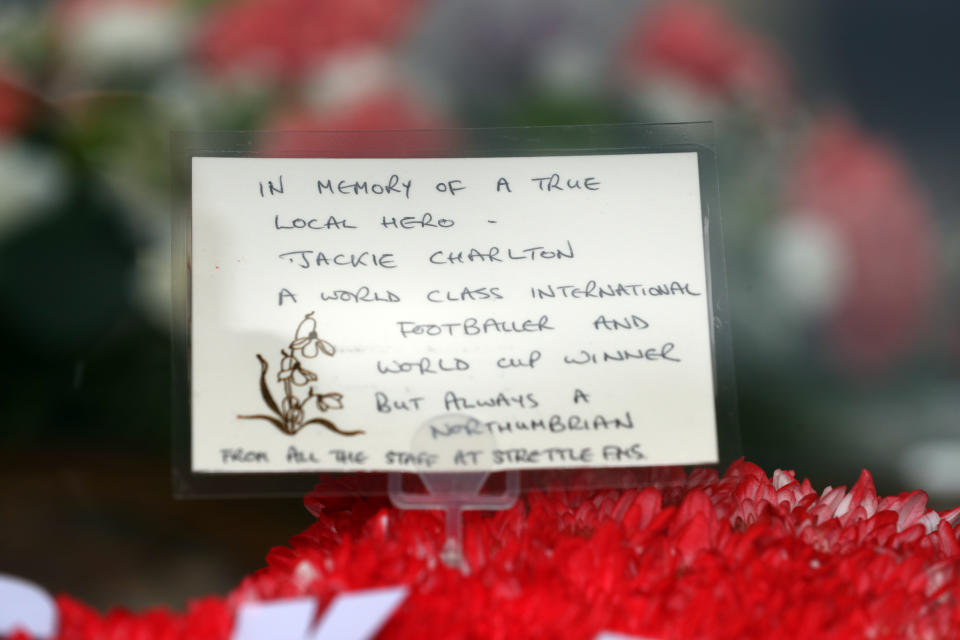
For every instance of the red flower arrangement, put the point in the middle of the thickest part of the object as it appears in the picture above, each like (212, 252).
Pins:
(738, 556)
(860, 189)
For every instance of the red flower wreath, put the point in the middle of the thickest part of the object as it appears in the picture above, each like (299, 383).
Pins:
(738, 556)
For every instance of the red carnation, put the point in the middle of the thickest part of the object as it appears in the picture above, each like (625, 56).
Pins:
(699, 44)
(288, 38)
(859, 188)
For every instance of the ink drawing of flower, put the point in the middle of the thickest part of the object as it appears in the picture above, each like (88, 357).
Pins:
(289, 415)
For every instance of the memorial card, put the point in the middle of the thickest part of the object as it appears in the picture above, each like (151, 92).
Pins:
(341, 310)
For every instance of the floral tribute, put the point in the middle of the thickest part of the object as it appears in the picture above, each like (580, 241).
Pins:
(738, 556)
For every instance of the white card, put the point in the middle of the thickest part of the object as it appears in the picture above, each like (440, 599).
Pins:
(560, 301)
(287, 619)
(26, 607)
(354, 615)
(359, 615)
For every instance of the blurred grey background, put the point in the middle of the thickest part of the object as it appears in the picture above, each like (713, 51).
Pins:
(837, 132)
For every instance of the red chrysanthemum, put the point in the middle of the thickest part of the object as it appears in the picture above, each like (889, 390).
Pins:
(738, 556)
(697, 43)
(860, 188)
(287, 38)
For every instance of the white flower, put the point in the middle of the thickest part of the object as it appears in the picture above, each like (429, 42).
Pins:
(808, 265)
(349, 77)
(122, 37)
(32, 181)
(307, 341)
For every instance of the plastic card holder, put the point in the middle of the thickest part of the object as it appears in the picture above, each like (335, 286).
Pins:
(536, 307)
(454, 492)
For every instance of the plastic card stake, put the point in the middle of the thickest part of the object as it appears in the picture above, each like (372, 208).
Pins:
(338, 305)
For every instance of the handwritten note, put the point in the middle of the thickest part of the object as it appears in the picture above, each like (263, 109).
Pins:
(338, 306)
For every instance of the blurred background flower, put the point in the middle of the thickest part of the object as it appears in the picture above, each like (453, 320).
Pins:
(835, 130)
(694, 55)
(99, 40)
(286, 40)
(15, 105)
(859, 191)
